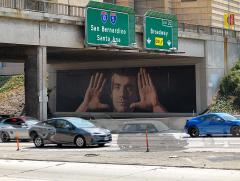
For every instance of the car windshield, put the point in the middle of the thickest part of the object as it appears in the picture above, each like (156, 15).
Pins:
(80, 123)
(228, 117)
(32, 122)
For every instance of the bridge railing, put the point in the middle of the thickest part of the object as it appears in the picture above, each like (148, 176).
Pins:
(77, 11)
(44, 7)
(200, 29)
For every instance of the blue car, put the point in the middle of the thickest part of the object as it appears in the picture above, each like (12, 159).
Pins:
(213, 124)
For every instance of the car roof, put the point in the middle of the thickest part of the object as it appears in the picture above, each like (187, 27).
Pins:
(63, 117)
(214, 113)
(68, 118)
(158, 124)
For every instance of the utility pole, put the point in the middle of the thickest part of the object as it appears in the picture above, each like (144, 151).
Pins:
(226, 43)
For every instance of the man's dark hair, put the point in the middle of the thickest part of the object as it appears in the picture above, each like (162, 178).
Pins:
(125, 71)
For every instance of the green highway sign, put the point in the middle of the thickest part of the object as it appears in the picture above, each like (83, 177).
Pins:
(160, 32)
(106, 26)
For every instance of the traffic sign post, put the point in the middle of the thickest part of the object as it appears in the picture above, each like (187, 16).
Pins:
(160, 32)
(107, 26)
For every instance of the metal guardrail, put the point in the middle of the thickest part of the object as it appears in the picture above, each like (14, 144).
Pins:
(77, 11)
(200, 29)
(44, 7)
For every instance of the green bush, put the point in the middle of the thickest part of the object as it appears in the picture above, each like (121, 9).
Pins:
(228, 99)
(236, 67)
(230, 84)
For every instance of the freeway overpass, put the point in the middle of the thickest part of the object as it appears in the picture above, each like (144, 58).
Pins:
(50, 38)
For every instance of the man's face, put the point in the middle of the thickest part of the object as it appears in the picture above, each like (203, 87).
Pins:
(123, 92)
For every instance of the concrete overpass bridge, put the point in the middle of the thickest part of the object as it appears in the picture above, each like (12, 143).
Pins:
(49, 38)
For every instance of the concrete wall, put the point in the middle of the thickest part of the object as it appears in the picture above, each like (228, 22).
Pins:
(191, 47)
(12, 69)
(17, 31)
(216, 68)
(233, 53)
(176, 123)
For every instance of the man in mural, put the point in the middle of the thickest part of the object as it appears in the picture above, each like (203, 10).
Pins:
(129, 92)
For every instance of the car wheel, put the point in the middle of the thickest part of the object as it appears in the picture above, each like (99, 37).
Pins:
(5, 137)
(38, 142)
(193, 132)
(80, 142)
(33, 135)
(235, 131)
(101, 144)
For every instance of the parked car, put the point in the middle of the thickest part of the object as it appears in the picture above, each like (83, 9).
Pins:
(213, 124)
(3, 116)
(14, 127)
(132, 137)
(69, 130)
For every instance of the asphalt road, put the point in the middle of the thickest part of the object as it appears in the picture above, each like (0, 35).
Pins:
(201, 144)
(62, 171)
(205, 152)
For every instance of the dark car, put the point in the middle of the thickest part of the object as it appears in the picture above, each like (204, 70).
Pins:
(14, 127)
(68, 130)
(213, 124)
(132, 137)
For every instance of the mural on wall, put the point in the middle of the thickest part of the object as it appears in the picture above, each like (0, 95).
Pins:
(149, 89)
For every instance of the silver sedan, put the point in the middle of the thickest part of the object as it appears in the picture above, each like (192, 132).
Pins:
(16, 127)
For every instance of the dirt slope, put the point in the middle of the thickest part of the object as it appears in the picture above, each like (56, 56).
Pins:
(12, 95)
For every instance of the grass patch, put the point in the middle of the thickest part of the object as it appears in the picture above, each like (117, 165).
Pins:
(225, 104)
(8, 83)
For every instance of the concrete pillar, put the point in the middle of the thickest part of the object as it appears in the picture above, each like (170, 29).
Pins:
(52, 83)
(36, 83)
(201, 89)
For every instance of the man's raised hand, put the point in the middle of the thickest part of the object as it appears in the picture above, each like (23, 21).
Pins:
(147, 93)
(92, 96)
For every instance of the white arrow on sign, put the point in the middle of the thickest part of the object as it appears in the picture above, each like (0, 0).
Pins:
(169, 43)
(149, 40)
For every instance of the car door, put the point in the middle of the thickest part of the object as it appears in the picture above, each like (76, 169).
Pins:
(216, 125)
(204, 124)
(130, 136)
(64, 131)
(211, 124)
(19, 128)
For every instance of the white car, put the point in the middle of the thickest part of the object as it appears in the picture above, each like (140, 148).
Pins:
(14, 127)
(132, 136)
